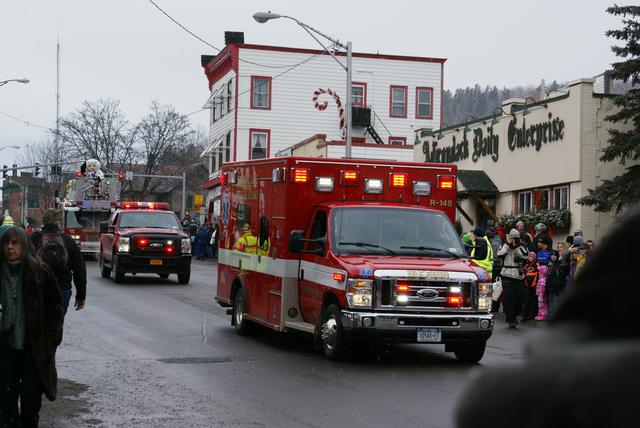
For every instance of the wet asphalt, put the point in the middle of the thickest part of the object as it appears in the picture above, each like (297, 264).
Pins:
(152, 353)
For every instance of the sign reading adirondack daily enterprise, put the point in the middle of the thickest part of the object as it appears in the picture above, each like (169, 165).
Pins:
(486, 143)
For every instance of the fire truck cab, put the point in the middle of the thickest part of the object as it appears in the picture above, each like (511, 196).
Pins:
(350, 249)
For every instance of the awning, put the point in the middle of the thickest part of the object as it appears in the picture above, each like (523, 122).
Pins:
(216, 143)
(471, 182)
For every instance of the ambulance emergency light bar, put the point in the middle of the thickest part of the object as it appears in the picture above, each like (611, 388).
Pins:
(326, 184)
(135, 205)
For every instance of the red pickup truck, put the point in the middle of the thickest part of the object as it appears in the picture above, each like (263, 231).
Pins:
(144, 237)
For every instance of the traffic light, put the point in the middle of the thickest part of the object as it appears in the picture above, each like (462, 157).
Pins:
(15, 171)
(120, 176)
(4, 171)
(37, 173)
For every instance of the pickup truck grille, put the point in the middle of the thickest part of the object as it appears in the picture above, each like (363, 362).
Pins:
(422, 294)
(155, 245)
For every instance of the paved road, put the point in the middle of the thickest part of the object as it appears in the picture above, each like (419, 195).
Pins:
(152, 353)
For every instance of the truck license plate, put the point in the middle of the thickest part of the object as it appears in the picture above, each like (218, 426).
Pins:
(429, 335)
(156, 262)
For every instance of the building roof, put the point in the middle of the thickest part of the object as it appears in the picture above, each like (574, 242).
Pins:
(476, 183)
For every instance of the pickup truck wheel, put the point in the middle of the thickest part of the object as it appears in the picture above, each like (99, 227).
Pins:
(470, 352)
(116, 274)
(242, 325)
(332, 337)
(105, 272)
(183, 277)
(163, 275)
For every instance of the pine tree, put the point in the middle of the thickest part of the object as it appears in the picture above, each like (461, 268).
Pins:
(623, 190)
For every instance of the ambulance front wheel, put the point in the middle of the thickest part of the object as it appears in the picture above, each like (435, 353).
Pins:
(241, 324)
(331, 334)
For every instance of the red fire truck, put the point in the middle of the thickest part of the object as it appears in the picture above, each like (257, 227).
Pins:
(350, 249)
(87, 203)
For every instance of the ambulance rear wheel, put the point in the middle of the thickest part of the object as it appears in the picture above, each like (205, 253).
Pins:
(241, 324)
(331, 334)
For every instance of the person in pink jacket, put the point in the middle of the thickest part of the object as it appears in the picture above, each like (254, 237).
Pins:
(543, 308)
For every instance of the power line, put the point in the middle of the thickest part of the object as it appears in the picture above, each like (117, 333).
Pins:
(212, 46)
(27, 123)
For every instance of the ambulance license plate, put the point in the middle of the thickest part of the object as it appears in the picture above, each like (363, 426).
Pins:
(155, 262)
(429, 335)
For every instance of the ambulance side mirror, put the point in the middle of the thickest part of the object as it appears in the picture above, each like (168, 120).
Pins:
(104, 228)
(296, 244)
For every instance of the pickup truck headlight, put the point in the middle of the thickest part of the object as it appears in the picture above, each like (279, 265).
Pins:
(360, 293)
(485, 290)
(186, 246)
(123, 244)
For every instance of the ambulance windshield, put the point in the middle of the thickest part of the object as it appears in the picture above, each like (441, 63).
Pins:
(388, 231)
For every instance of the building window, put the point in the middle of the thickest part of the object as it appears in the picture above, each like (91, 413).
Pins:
(229, 95)
(524, 202)
(259, 143)
(424, 103)
(261, 92)
(398, 141)
(398, 101)
(213, 112)
(561, 197)
(541, 199)
(359, 94)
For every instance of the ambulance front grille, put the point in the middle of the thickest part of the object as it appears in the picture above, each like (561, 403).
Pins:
(424, 294)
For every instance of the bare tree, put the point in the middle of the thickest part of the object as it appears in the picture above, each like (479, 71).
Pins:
(161, 133)
(53, 180)
(98, 130)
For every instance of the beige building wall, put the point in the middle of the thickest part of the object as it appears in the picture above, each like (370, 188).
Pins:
(572, 160)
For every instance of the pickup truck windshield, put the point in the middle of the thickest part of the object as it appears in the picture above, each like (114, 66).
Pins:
(159, 220)
(84, 219)
(385, 231)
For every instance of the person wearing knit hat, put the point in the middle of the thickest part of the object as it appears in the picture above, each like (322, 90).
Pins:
(513, 254)
(6, 224)
(75, 270)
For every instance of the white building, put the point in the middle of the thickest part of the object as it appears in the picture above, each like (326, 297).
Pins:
(261, 101)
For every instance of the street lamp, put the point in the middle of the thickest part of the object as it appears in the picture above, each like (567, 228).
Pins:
(263, 17)
(4, 82)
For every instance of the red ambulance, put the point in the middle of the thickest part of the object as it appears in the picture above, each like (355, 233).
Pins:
(350, 249)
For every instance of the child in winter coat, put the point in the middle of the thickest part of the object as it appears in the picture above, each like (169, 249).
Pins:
(555, 281)
(543, 309)
(531, 274)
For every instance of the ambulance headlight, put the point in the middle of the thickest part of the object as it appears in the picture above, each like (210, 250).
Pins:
(360, 293)
(485, 291)
(123, 244)
(373, 185)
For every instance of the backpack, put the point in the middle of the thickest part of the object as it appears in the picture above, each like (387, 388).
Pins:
(53, 252)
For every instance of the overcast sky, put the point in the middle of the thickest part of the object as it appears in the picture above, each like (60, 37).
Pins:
(128, 50)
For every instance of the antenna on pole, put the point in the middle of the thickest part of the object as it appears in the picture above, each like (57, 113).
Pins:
(56, 143)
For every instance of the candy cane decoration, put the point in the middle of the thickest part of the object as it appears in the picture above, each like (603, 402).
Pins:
(323, 106)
